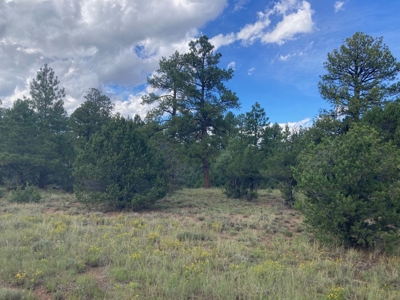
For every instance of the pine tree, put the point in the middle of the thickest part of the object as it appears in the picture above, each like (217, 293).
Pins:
(360, 76)
(119, 166)
(283, 149)
(170, 80)
(207, 101)
(47, 100)
(20, 151)
(88, 118)
(352, 188)
(255, 124)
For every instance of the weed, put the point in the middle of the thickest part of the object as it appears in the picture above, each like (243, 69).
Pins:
(190, 236)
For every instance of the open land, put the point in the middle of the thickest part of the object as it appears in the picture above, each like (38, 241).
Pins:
(193, 244)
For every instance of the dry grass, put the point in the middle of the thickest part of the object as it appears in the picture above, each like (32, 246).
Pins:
(195, 244)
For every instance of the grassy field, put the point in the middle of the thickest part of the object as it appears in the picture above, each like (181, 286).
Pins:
(195, 244)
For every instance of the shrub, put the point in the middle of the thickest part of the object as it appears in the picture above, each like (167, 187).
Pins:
(120, 166)
(8, 294)
(239, 166)
(190, 236)
(25, 195)
(352, 188)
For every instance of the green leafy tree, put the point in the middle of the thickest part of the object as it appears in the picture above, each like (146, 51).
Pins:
(88, 118)
(231, 122)
(255, 124)
(47, 100)
(120, 166)
(360, 76)
(20, 151)
(171, 80)
(271, 136)
(283, 149)
(239, 167)
(352, 188)
(386, 120)
(194, 101)
(207, 100)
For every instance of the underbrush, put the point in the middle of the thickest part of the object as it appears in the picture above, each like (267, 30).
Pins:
(195, 244)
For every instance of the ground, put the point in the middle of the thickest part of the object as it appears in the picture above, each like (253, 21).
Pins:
(193, 244)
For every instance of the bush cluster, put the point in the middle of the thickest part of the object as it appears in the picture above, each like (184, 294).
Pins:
(25, 194)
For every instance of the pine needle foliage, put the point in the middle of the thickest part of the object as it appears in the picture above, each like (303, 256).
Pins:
(119, 166)
(352, 188)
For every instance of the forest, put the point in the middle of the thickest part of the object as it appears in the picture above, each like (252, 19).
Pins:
(342, 173)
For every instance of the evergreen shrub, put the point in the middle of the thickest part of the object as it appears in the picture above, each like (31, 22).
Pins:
(352, 188)
(121, 167)
(25, 194)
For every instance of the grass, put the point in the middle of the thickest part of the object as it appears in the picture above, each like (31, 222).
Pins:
(195, 244)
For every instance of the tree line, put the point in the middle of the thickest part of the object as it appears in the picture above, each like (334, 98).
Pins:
(346, 164)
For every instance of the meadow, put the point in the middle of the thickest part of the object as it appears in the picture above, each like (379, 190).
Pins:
(194, 244)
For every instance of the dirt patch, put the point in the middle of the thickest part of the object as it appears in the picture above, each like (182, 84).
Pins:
(100, 276)
(41, 293)
(53, 211)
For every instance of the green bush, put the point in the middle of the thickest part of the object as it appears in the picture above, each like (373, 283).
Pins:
(25, 195)
(8, 294)
(352, 188)
(121, 167)
(239, 166)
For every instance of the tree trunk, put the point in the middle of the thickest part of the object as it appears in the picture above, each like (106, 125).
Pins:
(206, 171)
(20, 178)
(42, 180)
(172, 181)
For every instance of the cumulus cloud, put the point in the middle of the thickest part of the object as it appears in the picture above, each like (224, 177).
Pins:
(251, 32)
(292, 24)
(223, 40)
(338, 5)
(94, 43)
(296, 18)
(108, 43)
(250, 71)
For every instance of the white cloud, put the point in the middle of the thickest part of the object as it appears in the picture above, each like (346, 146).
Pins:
(294, 126)
(131, 107)
(338, 5)
(231, 65)
(283, 6)
(291, 25)
(285, 57)
(251, 32)
(294, 53)
(107, 43)
(250, 71)
(296, 19)
(239, 4)
(94, 43)
(222, 40)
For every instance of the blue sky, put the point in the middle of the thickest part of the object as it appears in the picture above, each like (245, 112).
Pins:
(277, 48)
(285, 77)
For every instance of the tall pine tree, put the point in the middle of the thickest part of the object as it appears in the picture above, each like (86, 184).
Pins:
(47, 100)
(208, 99)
